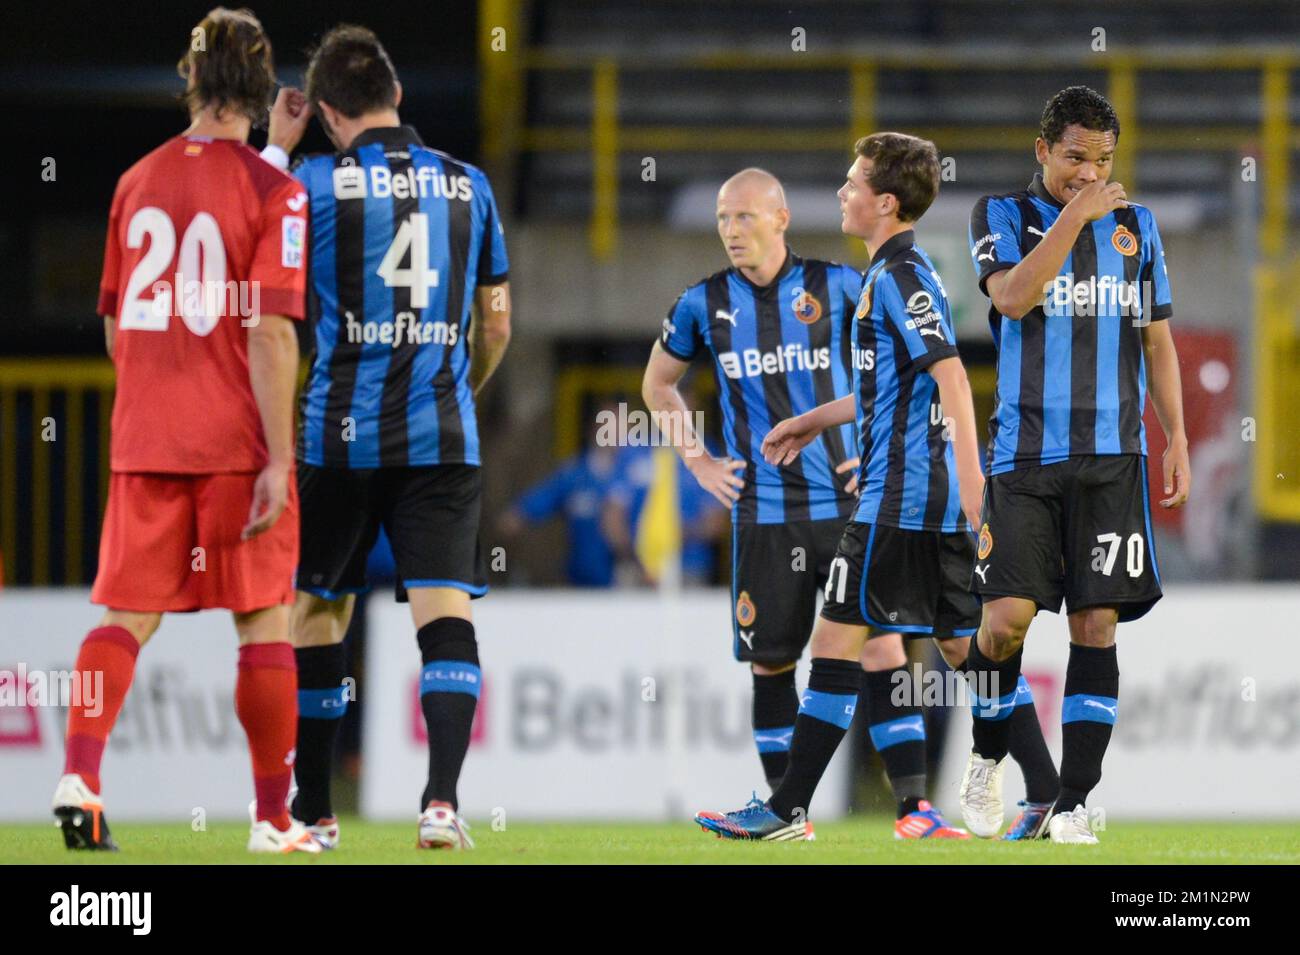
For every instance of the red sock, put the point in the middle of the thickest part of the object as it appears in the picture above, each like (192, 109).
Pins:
(266, 699)
(106, 663)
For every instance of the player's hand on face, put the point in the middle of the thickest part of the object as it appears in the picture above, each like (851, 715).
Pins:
(784, 442)
(289, 117)
(851, 466)
(718, 476)
(1178, 475)
(270, 496)
(1099, 199)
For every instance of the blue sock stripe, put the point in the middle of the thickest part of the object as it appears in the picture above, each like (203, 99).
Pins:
(328, 704)
(995, 710)
(1093, 709)
(834, 708)
(905, 729)
(774, 739)
(451, 676)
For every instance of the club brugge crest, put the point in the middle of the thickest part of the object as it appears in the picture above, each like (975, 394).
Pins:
(864, 304)
(986, 542)
(1124, 241)
(745, 612)
(807, 309)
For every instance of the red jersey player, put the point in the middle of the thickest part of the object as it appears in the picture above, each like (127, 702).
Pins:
(203, 278)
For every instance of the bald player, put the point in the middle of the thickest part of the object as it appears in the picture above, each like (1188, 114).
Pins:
(775, 327)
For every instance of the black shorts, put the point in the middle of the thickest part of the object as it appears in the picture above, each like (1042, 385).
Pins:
(898, 581)
(776, 571)
(1078, 531)
(430, 514)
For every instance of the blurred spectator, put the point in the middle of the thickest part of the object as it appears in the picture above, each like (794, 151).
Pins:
(577, 490)
(702, 519)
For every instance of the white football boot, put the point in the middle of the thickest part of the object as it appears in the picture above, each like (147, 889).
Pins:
(442, 828)
(325, 830)
(981, 796)
(1071, 828)
(80, 814)
(264, 837)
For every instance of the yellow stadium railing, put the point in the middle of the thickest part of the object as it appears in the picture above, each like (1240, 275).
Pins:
(28, 447)
(605, 138)
(1277, 390)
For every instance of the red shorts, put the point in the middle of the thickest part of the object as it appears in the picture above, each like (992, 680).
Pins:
(171, 544)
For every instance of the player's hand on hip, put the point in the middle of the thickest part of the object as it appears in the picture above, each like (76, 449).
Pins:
(270, 496)
(1099, 199)
(851, 465)
(787, 438)
(718, 476)
(289, 117)
(1178, 475)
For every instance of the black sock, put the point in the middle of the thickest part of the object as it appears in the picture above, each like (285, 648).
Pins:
(322, 701)
(994, 688)
(1087, 717)
(449, 688)
(775, 706)
(825, 712)
(1028, 748)
(897, 733)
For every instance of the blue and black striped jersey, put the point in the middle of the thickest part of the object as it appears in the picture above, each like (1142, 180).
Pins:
(1071, 374)
(401, 236)
(778, 351)
(901, 327)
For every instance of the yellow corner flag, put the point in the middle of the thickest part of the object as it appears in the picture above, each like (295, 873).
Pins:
(659, 532)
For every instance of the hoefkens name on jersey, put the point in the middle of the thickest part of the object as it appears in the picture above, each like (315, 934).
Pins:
(425, 182)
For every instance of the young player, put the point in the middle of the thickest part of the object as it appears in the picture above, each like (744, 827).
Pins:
(903, 561)
(775, 327)
(1080, 306)
(406, 240)
(202, 508)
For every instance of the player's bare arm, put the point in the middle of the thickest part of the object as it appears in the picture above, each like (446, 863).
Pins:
(1019, 290)
(784, 442)
(662, 396)
(1167, 397)
(491, 333)
(273, 372)
(290, 115)
(110, 325)
(959, 408)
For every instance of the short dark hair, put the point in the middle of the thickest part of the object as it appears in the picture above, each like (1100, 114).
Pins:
(906, 166)
(351, 71)
(1077, 106)
(231, 63)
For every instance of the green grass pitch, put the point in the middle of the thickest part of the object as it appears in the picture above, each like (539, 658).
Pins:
(860, 840)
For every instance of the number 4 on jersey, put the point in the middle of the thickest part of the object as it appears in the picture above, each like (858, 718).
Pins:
(413, 234)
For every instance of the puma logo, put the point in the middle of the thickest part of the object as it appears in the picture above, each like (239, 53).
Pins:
(991, 255)
(1102, 706)
(1038, 232)
(727, 316)
(981, 571)
(748, 637)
